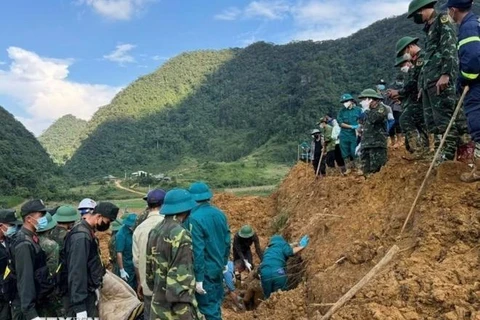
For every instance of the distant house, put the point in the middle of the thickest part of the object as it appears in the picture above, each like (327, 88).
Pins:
(159, 176)
(109, 177)
(140, 174)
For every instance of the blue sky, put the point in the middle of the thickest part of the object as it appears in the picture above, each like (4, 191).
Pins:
(72, 56)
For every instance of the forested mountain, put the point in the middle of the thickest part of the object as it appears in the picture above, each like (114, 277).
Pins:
(25, 168)
(63, 138)
(223, 105)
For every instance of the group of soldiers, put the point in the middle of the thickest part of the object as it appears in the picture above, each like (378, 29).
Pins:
(436, 76)
(175, 255)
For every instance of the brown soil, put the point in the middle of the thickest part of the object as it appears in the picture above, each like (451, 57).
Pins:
(436, 274)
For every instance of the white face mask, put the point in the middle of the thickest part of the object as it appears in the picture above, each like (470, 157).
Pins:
(347, 104)
(365, 104)
(407, 56)
(405, 69)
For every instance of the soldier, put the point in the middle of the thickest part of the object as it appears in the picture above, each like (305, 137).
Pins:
(437, 86)
(348, 120)
(139, 250)
(123, 246)
(412, 120)
(469, 54)
(29, 265)
(329, 142)
(112, 248)
(82, 263)
(8, 228)
(66, 216)
(242, 241)
(390, 104)
(170, 274)
(49, 246)
(211, 250)
(317, 152)
(374, 143)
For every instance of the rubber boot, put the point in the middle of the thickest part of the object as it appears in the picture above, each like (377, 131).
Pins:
(474, 175)
(348, 167)
(358, 166)
(418, 150)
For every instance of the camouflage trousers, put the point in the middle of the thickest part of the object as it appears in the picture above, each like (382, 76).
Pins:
(175, 311)
(373, 159)
(438, 110)
(413, 126)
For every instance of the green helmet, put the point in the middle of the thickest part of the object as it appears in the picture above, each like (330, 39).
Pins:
(51, 223)
(177, 201)
(399, 61)
(116, 225)
(246, 232)
(370, 93)
(346, 97)
(200, 191)
(66, 214)
(403, 43)
(416, 5)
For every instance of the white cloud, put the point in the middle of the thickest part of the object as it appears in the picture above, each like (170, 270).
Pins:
(229, 14)
(121, 54)
(270, 10)
(116, 9)
(41, 87)
(159, 58)
(2, 63)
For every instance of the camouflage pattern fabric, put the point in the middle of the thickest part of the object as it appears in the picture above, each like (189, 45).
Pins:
(140, 218)
(113, 253)
(374, 141)
(373, 159)
(170, 272)
(52, 251)
(58, 235)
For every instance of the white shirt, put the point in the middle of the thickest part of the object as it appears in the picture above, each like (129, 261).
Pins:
(139, 248)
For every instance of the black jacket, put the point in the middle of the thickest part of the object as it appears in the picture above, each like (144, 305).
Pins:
(242, 246)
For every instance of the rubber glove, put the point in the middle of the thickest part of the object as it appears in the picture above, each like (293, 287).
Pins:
(199, 288)
(97, 294)
(248, 265)
(124, 275)
(82, 315)
(355, 126)
(37, 318)
(304, 241)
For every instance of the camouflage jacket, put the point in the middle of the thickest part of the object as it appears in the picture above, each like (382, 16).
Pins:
(52, 251)
(409, 92)
(374, 128)
(441, 51)
(140, 218)
(169, 271)
(58, 235)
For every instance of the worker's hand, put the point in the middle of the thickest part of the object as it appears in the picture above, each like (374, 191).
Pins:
(392, 93)
(140, 291)
(355, 126)
(304, 241)
(199, 288)
(247, 265)
(225, 270)
(97, 294)
(82, 315)
(124, 275)
(442, 83)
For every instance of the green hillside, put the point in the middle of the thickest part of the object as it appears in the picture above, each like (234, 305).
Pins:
(224, 105)
(25, 167)
(63, 138)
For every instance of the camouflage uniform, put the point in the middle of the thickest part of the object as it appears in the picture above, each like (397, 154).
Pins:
(140, 218)
(58, 235)
(170, 272)
(441, 59)
(113, 253)
(374, 139)
(412, 120)
(52, 251)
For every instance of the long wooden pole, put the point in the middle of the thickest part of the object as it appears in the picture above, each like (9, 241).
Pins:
(366, 279)
(420, 191)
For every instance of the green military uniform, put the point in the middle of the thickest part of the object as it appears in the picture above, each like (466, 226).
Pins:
(374, 139)
(58, 235)
(66, 217)
(140, 218)
(169, 270)
(112, 244)
(440, 59)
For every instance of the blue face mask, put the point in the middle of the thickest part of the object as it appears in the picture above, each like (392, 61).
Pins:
(11, 231)
(41, 223)
(381, 87)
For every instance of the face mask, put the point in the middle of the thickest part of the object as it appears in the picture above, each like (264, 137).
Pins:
(381, 87)
(102, 226)
(407, 56)
(346, 104)
(405, 69)
(11, 231)
(365, 104)
(418, 18)
(41, 223)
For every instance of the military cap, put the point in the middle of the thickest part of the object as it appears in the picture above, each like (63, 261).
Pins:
(461, 4)
(246, 232)
(130, 220)
(200, 191)
(346, 97)
(403, 43)
(155, 196)
(8, 216)
(177, 201)
(416, 5)
(116, 225)
(51, 223)
(107, 210)
(66, 214)
(370, 93)
(33, 206)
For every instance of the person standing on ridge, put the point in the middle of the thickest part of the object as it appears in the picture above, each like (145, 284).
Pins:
(318, 153)
(348, 120)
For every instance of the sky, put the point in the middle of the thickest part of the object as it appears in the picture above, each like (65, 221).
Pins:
(61, 57)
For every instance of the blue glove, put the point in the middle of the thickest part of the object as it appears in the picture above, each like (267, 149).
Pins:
(304, 241)
(355, 126)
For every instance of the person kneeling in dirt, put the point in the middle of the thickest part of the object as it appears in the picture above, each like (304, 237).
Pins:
(242, 241)
(374, 141)
(229, 280)
(273, 267)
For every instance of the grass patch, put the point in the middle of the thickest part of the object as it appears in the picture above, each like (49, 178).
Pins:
(280, 221)
(10, 201)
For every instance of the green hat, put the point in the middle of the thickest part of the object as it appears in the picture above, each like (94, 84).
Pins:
(51, 223)
(200, 191)
(177, 201)
(66, 214)
(416, 5)
(399, 61)
(116, 225)
(403, 43)
(370, 93)
(246, 232)
(130, 220)
(8, 216)
(346, 97)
